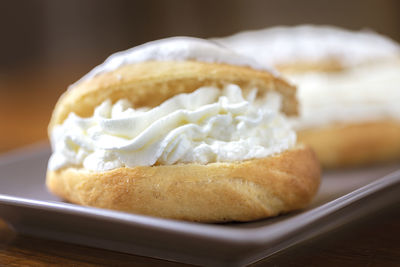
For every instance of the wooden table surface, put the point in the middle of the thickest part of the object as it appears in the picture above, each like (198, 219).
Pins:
(26, 100)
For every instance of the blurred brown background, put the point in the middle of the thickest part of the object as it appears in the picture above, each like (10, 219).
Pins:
(46, 45)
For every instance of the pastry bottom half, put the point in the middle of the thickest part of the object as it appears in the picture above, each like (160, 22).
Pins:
(215, 192)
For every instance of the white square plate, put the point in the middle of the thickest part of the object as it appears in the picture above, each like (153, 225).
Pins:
(31, 209)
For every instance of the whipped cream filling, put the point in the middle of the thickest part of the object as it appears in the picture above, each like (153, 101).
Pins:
(365, 93)
(208, 125)
(175, 49)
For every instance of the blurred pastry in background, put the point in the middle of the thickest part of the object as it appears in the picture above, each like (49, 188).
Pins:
(181, 128)
(348, 88)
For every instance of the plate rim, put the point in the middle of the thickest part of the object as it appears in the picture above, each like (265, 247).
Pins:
(221, 232)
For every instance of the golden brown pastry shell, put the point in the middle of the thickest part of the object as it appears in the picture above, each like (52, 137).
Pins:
(215, 192)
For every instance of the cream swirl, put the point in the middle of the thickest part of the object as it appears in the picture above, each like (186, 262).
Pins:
(208, 125)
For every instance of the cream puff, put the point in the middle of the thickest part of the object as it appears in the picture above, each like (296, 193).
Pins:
(348, 88)
(181, 128)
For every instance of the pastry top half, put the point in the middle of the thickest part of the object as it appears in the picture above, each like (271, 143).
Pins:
(312, 47)
(149, 74)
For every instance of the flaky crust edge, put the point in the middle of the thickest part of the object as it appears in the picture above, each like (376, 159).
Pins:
(215, 192)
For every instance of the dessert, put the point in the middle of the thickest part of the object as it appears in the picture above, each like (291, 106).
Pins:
(181, 128)
(348, 88)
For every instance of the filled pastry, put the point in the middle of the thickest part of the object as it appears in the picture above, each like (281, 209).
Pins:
(348, 88)
(181, 128)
